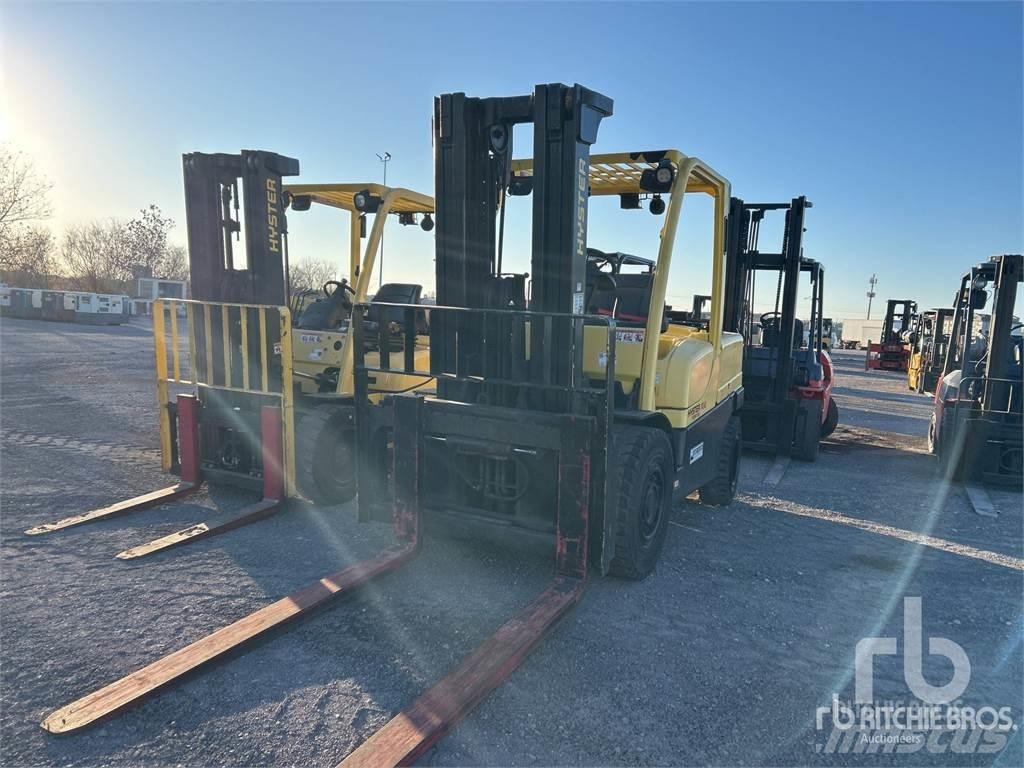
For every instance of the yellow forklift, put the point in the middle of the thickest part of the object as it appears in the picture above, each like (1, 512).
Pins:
(573, 418)
(321, 344)
(250, 395)
(828, 335)
(929, 338)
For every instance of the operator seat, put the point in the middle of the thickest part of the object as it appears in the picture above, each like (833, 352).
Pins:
(629, 302)
(327, 313)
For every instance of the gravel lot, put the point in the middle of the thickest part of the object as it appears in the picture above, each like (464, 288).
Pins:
(721, 657)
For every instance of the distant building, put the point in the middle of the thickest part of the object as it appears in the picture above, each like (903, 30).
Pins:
(148, 289)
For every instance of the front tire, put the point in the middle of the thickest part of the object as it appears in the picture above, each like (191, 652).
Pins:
(831, 419)
(642, 481)
(325, 458)
(721, 490)
(933, 442)
(809, 435)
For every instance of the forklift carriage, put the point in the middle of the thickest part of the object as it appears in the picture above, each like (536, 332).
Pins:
(242, 351)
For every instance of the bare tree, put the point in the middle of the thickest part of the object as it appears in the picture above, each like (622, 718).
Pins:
(24, 193)
(311, 274)
(26, 250)
(97, 256)
(146, 236)
(174, 265)
(27, 257)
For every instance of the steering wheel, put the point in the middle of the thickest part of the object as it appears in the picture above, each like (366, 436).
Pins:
(331, 287)
(773, 316)
(600, 259)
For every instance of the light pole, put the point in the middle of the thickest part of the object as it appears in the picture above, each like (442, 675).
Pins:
(384, 158)
(871, 292)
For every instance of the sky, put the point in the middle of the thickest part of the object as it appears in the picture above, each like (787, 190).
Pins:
(902, 122)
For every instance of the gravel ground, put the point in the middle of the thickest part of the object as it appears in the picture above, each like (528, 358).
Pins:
(721, 657)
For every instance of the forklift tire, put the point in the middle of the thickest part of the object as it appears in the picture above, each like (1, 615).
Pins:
(831, 419)
(722, 488)
(642, 481)
(951, 467)
(325, 455)
(808, 437)
(947, 470)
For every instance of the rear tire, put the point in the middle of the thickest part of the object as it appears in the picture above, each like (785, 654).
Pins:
(721, 490)
(831, 419)
(809, 436)
(642, 482)
(325, 455)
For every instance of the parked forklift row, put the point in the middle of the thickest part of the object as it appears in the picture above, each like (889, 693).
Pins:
(568, 405)
(970, 363)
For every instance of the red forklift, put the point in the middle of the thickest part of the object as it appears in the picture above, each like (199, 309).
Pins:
(976, 427)
(892, 351)
(787, 375)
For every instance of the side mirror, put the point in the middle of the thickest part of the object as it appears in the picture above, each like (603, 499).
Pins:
(301, 202)
(978, 298)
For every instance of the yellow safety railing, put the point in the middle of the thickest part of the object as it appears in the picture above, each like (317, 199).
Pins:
(230, 347)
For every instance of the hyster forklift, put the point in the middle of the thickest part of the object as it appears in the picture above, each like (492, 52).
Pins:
(892, 351)
(264, 399)
(574, 415)
(788, 406)
(976, 427)
(931, 335)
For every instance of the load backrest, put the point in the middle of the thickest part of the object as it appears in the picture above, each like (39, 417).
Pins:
(393, 293)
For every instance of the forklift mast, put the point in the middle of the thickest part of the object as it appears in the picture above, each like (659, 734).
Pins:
(1007, 273)
(905, 311)
(214, 224)
(700, 300)
(940, 332)
(745, 260)
(473, 141)
(976, 425)
(1002, 273)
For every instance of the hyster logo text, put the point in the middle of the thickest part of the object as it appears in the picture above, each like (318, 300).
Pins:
(581, 208)
(273, 235)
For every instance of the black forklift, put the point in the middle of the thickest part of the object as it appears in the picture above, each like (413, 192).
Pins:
(976, 426)
(892, 351)
(788, 406)
(531, 434)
